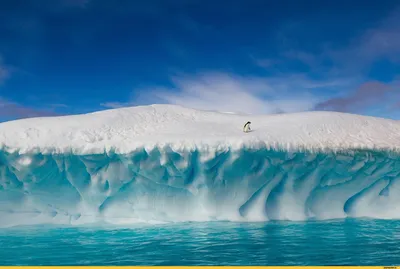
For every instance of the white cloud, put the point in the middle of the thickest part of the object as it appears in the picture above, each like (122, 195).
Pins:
(228, 93)
(283, 91)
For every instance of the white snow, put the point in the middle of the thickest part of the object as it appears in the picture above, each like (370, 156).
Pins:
(126, 129)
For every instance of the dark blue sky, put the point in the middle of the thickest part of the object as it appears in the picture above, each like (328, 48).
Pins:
(78, 56)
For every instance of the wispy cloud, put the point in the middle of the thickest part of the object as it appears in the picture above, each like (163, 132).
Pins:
(333, 71)
(13, 110)
(365, 97)
(382, 41)
(346, 68)
(305, 57)
(229, 93)
(351, 60)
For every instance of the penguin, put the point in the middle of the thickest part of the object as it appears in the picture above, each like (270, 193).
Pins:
(246, 127)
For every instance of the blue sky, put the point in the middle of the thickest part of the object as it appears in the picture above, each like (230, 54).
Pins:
(76, 56)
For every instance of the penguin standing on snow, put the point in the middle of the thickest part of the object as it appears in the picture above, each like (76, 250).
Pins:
(246, 127)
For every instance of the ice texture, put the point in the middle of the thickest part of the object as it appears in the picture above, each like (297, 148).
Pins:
(98, 168)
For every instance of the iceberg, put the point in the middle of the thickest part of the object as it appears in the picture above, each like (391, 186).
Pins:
(165, 163)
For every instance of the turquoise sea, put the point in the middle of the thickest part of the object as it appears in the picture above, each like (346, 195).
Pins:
(340, 242)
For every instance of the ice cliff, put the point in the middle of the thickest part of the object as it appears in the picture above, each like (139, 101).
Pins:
(167, 163)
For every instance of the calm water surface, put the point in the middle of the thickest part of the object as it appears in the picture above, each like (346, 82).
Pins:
(345, 242)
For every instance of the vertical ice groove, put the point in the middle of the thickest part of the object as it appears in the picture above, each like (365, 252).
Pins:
(165, 184)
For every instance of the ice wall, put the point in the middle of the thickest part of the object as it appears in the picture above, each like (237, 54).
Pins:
(162, 185)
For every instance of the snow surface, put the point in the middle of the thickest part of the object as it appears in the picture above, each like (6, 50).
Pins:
(128, 129)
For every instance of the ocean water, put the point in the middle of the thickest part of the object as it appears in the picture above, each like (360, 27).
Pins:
(340, 242)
